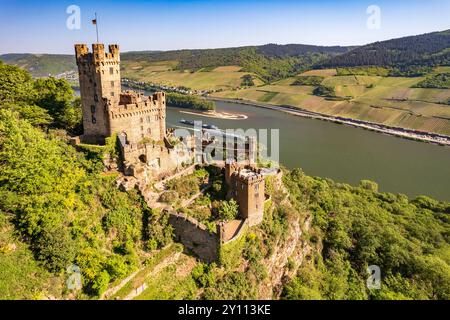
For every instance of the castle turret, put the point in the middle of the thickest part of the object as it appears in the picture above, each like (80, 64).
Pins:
(99, 74)
(246, 186)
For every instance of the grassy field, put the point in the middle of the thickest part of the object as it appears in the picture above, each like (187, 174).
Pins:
(163, 72)
(388, 100)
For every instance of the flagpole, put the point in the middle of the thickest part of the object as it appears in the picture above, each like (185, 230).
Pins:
(96, 25)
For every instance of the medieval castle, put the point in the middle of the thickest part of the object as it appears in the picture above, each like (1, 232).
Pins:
(146, 153)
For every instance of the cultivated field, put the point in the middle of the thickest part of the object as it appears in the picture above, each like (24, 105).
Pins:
(163, 72)
(388, 100)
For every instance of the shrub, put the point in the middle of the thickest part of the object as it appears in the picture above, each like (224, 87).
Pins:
(228, 210)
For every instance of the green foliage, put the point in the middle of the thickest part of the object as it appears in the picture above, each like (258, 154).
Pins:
(21, 277)
(35, 115)
(189, 101)
(56, 96)
(204, 275)
(369, 185)
(42, 102)
(437, 81)
(232, 286)
(357, 227)
(308, 81)
(15, 85)
(66, 209)
(247, 81)
(159, 232)
(228, 210)
(407, 56)
(186, 186)
(56, 248)
(100, 283)
(324, 91)
(230, 253)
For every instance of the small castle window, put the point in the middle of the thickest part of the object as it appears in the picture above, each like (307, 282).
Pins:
(94, 121)
(142, 120)
(142, 128)
(93, 108)
(95, 98)
(111, 70)
(112, 93)
(112, 84)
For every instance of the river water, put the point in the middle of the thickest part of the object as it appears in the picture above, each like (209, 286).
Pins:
(344, 153)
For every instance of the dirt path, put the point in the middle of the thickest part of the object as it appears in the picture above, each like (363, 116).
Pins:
(137, 291)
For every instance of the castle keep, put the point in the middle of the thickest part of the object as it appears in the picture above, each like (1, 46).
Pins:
(108, 110)
(138, 120)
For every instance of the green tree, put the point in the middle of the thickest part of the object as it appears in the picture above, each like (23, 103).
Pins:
(16, 85)
(56, 96)
(228, 210)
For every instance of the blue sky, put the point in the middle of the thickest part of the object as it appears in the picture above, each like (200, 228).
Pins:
(40, 26)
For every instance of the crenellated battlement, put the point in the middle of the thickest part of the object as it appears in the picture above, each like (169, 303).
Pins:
(248, 177)
(98, 53)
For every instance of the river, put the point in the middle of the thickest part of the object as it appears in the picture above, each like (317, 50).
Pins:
(344, 153)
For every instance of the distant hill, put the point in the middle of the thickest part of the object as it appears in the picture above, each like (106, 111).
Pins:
(269, 61)
(408, 53)
(272, 62)
(41, 65)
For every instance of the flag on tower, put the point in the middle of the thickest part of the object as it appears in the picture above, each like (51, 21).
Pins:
(94, 22)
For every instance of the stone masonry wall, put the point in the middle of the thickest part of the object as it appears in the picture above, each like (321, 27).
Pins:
(195, 237)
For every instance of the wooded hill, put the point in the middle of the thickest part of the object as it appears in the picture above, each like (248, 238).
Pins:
(407, 56)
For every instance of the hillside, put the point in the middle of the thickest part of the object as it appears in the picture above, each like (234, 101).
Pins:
(268, 62)
(315, 242)
(408, 54)
(41, 65)
(393, 101)
(62, 213)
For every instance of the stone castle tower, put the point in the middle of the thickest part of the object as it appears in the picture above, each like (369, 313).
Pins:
(246, 186)
(108, 110)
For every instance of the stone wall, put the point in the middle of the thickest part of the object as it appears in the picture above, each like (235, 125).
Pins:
(195, 237)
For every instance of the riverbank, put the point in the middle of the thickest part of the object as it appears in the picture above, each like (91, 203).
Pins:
(429, 137)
